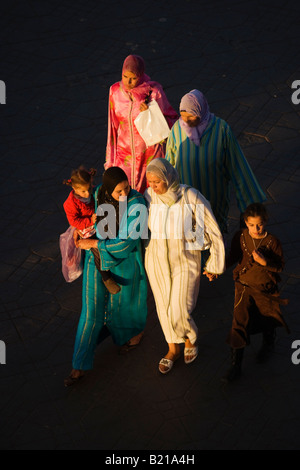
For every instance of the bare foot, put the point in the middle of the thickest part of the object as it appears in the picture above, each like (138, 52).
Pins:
(190, 352)
(172, 355)
(74, 376)
(136, 339)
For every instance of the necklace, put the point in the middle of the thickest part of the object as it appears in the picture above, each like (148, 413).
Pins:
(256, 247)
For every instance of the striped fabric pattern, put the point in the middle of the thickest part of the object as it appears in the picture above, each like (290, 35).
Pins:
(174, 271)
(213, 166)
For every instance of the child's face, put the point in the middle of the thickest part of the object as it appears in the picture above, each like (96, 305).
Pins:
(82, 190)
(256, 226)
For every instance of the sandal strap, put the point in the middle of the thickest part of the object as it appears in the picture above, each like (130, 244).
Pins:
(166, 362)
(190, 351)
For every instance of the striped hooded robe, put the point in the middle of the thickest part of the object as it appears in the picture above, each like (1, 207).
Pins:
(210, 159)
(173, 258)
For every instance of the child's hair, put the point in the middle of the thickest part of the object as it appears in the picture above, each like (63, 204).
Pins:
(80, 176)
(256, 210)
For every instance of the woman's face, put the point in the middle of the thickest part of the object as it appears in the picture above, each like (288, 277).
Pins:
(159, 186)
(190, 119)
(122, 189)
(129, 79)
(256, 226)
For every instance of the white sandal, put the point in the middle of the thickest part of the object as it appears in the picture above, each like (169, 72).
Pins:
(166, 363)
(193, 352)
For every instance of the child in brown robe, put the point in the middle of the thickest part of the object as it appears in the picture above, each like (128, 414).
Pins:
(257, 302)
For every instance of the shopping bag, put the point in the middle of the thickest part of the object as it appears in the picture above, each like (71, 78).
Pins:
(152, 125)
(72, 257)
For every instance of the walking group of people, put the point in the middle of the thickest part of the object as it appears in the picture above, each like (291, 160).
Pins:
(182, 181)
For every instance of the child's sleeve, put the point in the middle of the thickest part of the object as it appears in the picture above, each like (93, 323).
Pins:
(75, 218)
(274, 257)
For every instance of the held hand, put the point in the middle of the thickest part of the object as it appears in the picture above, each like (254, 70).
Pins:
(94, 218)
(143, 106)
(87, 243)
(210, 276)
(259, 258)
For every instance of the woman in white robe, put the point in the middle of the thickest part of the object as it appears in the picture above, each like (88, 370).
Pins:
(181, 225)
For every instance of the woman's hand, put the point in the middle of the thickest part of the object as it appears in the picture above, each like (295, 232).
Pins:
(259, 258)
(210, 276)
(143, 106)
(87, 243)
(76, 237)
(94, 218)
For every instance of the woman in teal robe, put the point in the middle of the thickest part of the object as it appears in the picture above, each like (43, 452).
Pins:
(123, 314)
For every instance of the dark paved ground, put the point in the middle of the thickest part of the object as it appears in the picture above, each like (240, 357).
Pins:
(58, 59)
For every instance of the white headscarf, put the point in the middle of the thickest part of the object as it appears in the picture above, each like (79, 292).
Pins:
(166, 172)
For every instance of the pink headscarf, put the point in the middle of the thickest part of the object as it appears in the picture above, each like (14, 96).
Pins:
(196, 104)
(135, 64)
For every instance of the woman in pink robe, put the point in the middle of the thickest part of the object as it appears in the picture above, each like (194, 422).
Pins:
(127, 98)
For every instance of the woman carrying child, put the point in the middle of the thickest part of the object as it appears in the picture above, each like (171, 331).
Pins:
(80, 211)
(124, 315)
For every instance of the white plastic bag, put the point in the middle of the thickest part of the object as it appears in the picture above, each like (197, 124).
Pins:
(152, 125)
(72, 256)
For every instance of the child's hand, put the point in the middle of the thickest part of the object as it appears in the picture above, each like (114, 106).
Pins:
(259, 258)
(87, 244)
(94, 218)
(76, 237)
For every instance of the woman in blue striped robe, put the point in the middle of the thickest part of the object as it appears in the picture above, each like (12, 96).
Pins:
(208, 157)
(123, 314)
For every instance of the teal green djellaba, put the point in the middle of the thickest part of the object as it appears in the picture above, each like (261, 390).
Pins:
(123, 314)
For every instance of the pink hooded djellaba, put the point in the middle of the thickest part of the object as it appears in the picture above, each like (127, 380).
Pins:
(125, 147)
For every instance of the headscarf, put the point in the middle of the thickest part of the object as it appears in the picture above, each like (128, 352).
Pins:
(135, 64)
(196, 104)
(166, 172)
(110, 179)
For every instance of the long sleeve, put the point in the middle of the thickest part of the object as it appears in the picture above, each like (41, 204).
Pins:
(245, 184)
(112, 131)
(77, 217)
(171, 149)
(216, 261)
(212, 235)
(274, 256)
(162, 100)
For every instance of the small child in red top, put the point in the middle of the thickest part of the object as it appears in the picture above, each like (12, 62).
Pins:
(80, 211)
